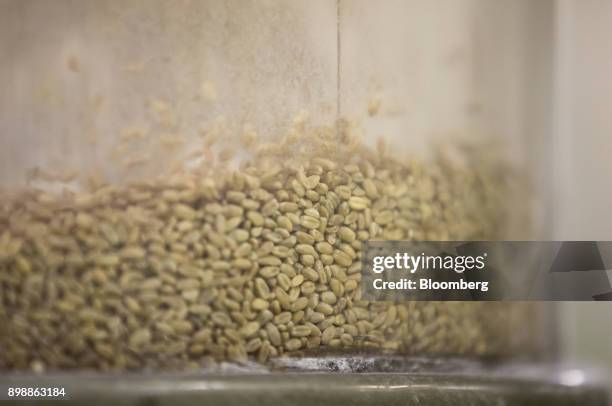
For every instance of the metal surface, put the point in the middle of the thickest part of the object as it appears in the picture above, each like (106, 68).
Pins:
(318, 389)
(383, 381)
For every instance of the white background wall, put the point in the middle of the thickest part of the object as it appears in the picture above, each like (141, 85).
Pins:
(582, 159)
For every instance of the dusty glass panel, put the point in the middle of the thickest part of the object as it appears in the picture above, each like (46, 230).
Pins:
(187, 183)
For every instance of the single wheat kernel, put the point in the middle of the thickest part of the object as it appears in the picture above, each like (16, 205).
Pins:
(301, 331)
(259, 304)
(293, 344)
(328, 334)
(249, 329)
(358, 203)
(309, 222)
